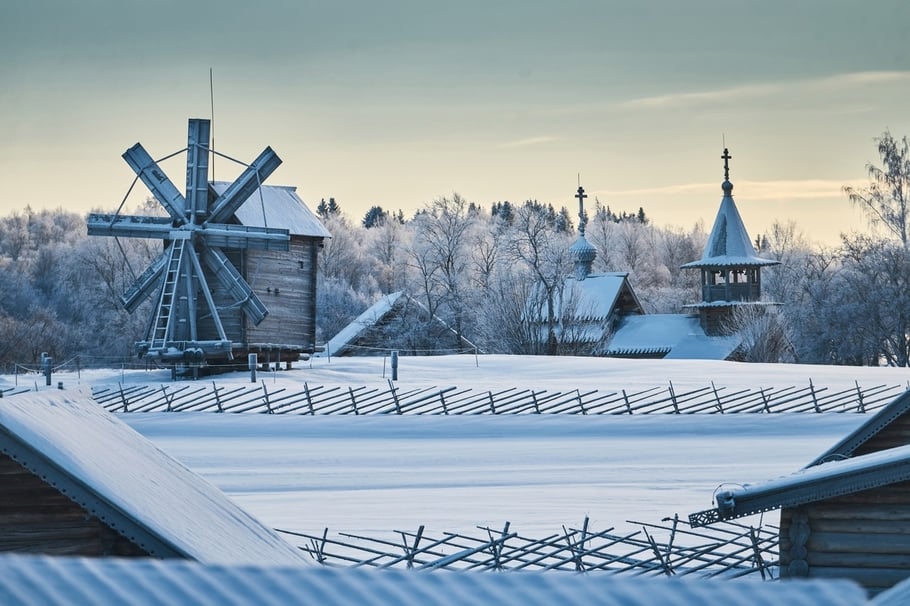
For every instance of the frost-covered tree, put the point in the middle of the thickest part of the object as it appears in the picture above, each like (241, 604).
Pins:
(886, 201)
(545, 253)
(440, 254)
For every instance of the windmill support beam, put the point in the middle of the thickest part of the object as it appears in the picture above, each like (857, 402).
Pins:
(207, 293)
(242, 236)
(128, 226)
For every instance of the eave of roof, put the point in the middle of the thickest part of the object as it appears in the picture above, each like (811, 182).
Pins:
(832, 479)
(862, 434)
(277, 206)
(728, 243)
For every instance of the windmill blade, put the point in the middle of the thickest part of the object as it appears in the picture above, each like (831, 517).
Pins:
(241, 189)
(128, 225)
(225, 235)
(157, 182)
(145, 284)
(228, 276)
(197, 169)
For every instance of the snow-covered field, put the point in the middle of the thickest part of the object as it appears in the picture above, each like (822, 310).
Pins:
(374, 474)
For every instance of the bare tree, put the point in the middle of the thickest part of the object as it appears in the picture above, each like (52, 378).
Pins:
(440, 254)
(762, 332)
(544, 252)
(886, 201)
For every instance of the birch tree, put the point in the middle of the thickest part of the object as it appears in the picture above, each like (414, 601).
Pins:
(886, 201)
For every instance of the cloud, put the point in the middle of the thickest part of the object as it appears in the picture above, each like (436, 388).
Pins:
(835, 83)
(804, 189)
(528, 142)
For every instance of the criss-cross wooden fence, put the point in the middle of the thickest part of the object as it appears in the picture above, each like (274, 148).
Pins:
(671, 548)
(364, 400)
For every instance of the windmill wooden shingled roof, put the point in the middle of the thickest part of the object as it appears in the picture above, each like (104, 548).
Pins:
(276, 206)
(129, 491)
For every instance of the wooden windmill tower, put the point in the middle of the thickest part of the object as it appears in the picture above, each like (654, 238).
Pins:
(200, 281)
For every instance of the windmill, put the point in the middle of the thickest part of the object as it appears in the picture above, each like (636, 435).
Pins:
(185, 325)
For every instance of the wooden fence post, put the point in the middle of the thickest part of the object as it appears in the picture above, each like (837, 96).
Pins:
(581, 404)
(268, 405)
(309, 400)
(217, 397)
(720, 406)
(394, 392)
(861, 407)
(814, 399)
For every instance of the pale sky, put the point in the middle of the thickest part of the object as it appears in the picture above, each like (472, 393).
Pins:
(396, 103)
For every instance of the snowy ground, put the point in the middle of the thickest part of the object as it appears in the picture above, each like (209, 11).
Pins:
(375, 474)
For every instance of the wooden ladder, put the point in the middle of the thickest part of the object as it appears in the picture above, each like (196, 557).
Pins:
(165, 314)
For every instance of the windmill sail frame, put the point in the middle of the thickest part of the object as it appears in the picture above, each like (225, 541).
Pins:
(194, 278)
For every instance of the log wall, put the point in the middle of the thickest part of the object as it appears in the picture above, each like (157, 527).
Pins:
(232, 316)
(864, 536)
(36, 518)
(286, 283)
(896, 433)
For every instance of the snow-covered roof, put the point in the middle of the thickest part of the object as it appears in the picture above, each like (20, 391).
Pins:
(122, 478)
(283, 209)
(376, 312)
(862, 434)
(62, 581)
(594, 298)
(676, 335)
(817, 483)
(703, 347)
(729, 244)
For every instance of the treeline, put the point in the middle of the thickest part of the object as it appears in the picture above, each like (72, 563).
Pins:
(475, 270)
(59, 289)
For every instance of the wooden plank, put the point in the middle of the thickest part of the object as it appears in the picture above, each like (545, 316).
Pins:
(858, 543)
(859, 560)
(860, 525)
(867, 577)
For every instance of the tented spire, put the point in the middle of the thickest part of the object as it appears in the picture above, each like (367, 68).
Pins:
(729, 244)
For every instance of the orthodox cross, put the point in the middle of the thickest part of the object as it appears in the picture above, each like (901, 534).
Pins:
(581, 195)
(726, 158)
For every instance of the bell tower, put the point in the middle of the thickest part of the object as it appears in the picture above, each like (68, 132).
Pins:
(730, 267)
